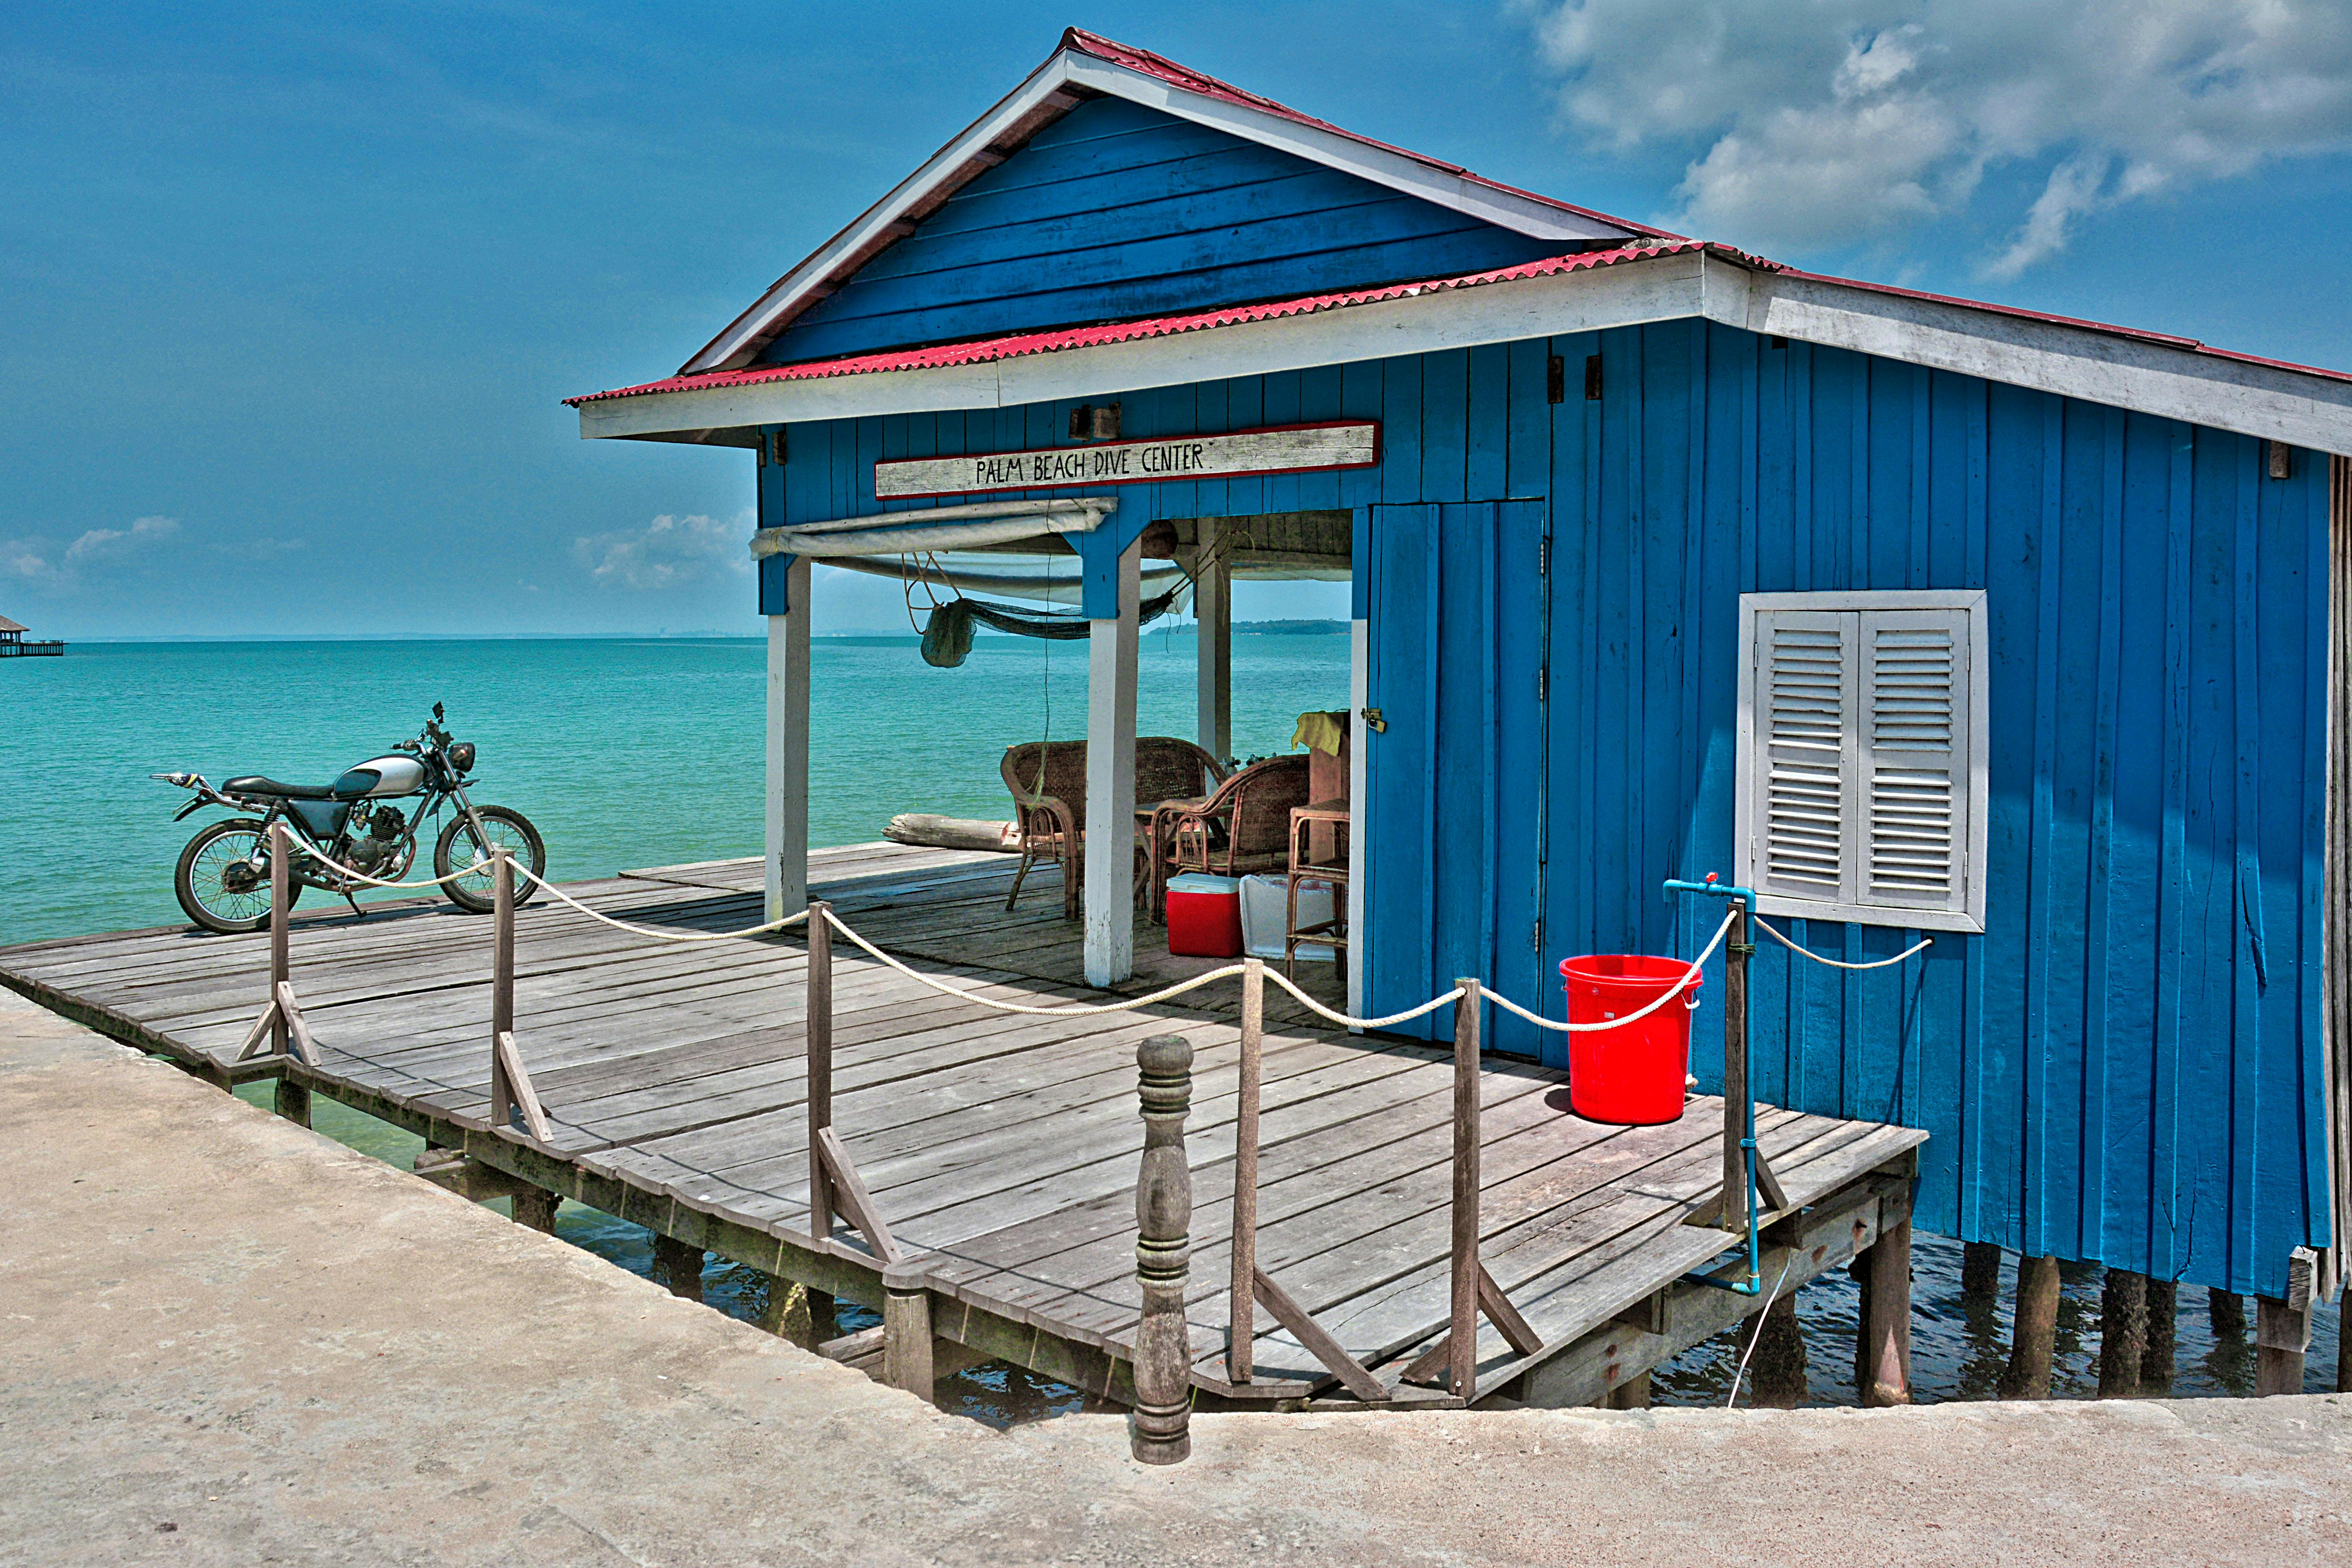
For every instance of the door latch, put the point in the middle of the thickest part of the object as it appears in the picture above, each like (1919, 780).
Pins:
(1374, 722)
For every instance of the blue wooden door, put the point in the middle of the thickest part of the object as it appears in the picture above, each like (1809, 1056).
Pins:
(1454, 843)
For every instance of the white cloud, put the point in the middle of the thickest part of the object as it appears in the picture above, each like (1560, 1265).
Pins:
(667, 552)
(1831, 121)
(96, 553)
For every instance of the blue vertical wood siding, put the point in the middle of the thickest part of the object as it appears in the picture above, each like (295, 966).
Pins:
(2125, 1066)
(1116, 210)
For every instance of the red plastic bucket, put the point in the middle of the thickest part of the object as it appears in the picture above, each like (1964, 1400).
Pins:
(1632, 1075)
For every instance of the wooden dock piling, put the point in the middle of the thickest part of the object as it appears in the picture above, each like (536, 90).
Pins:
(534, 1208)
(2155, 1362)
(1776, 1352)
(1886, 1359)
(1979, 1273)
(1160, 1433)
(2035, 1330)
(2123, 1333)
(907, 1336)
(678, 1266)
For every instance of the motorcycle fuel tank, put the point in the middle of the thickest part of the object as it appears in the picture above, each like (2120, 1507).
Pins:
(381, 776)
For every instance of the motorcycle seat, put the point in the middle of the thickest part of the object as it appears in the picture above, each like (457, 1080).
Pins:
(253, 784)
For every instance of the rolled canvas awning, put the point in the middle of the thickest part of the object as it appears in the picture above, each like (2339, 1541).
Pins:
(942, 528)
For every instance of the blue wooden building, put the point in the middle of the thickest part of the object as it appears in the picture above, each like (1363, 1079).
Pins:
(1922, 616)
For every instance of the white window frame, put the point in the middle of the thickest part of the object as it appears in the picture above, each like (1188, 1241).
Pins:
(1971, 915)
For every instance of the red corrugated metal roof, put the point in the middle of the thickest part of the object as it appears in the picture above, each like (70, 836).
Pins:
(1013, 346)
(983, 349)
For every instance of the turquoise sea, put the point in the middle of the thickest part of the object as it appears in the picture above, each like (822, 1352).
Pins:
(645, 751)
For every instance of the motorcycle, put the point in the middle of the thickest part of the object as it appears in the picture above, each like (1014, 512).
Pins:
(223, 880)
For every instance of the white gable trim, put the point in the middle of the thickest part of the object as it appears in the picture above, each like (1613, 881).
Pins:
(882, 223)
(1399, 172)
(2270, 401)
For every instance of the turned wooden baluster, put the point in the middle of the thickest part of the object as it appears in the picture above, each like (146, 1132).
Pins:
(1160, 1432)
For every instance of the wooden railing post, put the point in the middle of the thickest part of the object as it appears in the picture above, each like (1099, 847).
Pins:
(1242, 1333)
(291, 1100)
(1160, 1432)
(820, 1064)
(1464, 1357)
(1736, 950)
(503, 1098)
(281, 887)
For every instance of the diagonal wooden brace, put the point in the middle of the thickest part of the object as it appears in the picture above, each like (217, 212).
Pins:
(298, 1029)
(1308, 1332)
(850, 1196)
(259, 1033)
(1433, 1362)
(511, 1088)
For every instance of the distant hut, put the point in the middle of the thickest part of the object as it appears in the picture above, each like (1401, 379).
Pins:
(1917, 614)
(13, 644)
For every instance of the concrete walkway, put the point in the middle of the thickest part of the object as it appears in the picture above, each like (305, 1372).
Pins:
(228, 1340)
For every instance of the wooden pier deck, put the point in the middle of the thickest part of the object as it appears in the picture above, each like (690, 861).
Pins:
(1001, 1150)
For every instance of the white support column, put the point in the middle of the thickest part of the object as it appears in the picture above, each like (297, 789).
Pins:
(1109, 909)
(1213, 607)
(1359, 687)
(788, 750)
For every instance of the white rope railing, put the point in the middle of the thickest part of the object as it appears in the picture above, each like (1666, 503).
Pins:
(1500, 1000)
(484, 868)
(1128, 1005)
(1878, 964)
(1343, 1020)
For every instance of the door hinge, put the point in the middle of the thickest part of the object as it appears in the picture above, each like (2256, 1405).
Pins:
(1543, 556)
(1536, 937)
(1543, 683)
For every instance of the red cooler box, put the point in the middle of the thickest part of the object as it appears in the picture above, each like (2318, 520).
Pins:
(1204, 916)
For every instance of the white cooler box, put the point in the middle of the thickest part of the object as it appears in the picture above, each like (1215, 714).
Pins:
(1261, 915)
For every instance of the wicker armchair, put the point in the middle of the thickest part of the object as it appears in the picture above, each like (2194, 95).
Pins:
(1245, 826)
(1048, 783)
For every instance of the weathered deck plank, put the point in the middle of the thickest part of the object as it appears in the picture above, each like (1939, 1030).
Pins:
(1000, 1148)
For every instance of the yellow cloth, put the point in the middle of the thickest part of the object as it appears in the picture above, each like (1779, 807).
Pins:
(1325, 732)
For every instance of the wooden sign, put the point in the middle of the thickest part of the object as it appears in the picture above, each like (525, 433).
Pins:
(1279, 449)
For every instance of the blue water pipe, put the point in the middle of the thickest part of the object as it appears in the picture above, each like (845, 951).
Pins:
(1754, 1284)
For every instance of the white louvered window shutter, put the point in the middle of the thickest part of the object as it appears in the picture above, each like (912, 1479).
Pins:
(1803, 785)
(1862, 756)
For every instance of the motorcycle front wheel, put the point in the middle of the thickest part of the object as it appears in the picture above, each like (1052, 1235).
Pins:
(217, 883)
(461, 848)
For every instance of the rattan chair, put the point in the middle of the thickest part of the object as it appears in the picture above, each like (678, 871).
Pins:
(1048, 783)
(1245, 826)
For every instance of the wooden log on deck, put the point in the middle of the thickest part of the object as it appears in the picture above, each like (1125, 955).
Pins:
(2123, 1333)
(2033, 1337)
(2156, 1363)
(1887, 1285)
(678, 1266)
(1776, 1356)
(1161, 1430)
(1979, 1273)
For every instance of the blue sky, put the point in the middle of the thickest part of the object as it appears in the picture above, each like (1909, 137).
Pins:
(291, 294)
